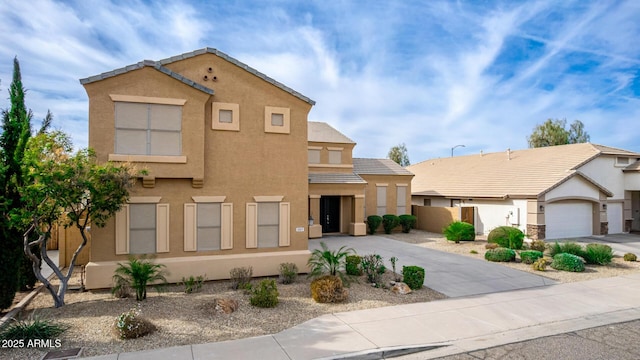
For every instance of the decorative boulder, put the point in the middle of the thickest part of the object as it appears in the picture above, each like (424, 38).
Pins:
(225, 306)
(401, 288)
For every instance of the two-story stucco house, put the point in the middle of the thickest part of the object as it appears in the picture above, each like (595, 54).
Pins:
(234, 171)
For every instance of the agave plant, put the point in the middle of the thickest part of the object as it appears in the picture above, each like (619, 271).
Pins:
(329, 262)
(137, 273)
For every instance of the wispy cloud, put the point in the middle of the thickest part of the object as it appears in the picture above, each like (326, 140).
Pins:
(430, 74)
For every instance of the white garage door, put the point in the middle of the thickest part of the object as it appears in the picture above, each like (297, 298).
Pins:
(568, 219)
(614, 216)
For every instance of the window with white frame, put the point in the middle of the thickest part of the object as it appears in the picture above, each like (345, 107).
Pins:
(142, 228)
(277, 120)
(208, 232)
(148, 129)
(381, 200)
(401, 200)
(268, 224)
(225, 116)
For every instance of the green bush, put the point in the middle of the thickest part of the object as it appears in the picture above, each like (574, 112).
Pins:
(130, 325)
(373, 223)
(373, 267)
(568, 248)
(630, 257)
(329, 262)
(407, 222)
(538, 245)
(500, 254)
(598, 254)
(567, 262)
(459, 231)
(265, 295)
(413, 276)
(192, 284)
(34, 328)
(137, 273)
(389, 222)
(353, 265)
(328, 289)
(506, 237)
(530, 256)
(288, 273)
(539, 265)
(241, 277)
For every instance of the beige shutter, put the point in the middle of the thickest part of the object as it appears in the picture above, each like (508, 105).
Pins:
(190, 227)
(226, 226)
(252, 226)
(162, 228)
(122, 230)
(285, 228)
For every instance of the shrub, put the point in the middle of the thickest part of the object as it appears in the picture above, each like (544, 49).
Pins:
(413, 276)
(598, 254)
(506, 237)
(373, 267)
(394, 260)
(34, 328)
(540, 264)
(500, 255)
(373, 222)
(130, 325)
(352, 265)
(328, 262)
(407, 222)
(241, 277)
(630, 257)
(265, 295)
(567, 262)
(192, 284)
(328, 289)
(121, 288)
(288, 273)
(459, 231)
(538, 245)
(530, 256)
(568, 248)
(137, 273)
(389, 222)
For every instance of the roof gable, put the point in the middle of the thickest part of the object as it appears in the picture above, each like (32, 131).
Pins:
(378, 167)
(323, 132)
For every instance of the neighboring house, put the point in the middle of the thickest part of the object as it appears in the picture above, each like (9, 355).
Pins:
(231, 173)
(551, 192)
(344, 190)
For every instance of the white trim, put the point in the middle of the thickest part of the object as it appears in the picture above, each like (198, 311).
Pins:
(147, 99)
(276, 198)
(208, 199)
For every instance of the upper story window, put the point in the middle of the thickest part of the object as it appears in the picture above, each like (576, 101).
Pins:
(335, 155)
(624, 161)
(225, 116)
(276, 120)
(314, 155)
(148, 129)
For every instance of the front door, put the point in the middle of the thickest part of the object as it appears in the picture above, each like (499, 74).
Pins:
(330, 214)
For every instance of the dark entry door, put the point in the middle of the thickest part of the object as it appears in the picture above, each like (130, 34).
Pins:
(330, 214)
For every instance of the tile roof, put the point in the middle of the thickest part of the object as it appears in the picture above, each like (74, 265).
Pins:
(519, 173)
(378, 167)
(323, 132)
(160, 66)
(335, 178)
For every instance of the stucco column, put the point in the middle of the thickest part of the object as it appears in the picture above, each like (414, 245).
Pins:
(357, 226)
(315, 230)
(536, 228)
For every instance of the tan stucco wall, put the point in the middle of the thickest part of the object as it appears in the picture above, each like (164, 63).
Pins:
(434, 219)
(346, 164)
(392, 181)
(236, 164)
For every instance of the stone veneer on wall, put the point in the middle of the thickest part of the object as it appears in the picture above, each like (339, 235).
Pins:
(536, 232)
(604, 228)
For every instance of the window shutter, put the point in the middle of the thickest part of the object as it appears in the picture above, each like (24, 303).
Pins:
(162, 228)
(252, 226)
(122, 230)
(190, 227)
(284, 230)
(226, 226)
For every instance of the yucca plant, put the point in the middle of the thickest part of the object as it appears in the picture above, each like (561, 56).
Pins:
(137, 273)
(329, 262)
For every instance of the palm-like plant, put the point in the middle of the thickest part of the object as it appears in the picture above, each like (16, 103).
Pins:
(329, 262)
(137, 273)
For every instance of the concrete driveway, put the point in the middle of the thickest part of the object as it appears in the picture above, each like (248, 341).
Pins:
(451, 274)
(620, 243)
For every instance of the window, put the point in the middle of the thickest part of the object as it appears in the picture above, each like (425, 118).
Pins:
(148, 129)
(622, 161)
(381, 199)
(426, 202)
(314, 156)
(401, 199)
(276, 120)
(268, 224)
(335, 156)
(142, 226)
(208, 226)
(225, 116)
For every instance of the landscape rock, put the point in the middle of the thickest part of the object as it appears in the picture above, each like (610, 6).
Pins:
(401, 288)
(225, 306)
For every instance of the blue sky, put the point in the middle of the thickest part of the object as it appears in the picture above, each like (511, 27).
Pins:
(431, 74)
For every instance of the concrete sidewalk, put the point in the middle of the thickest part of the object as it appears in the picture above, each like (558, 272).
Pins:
(457, 325)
